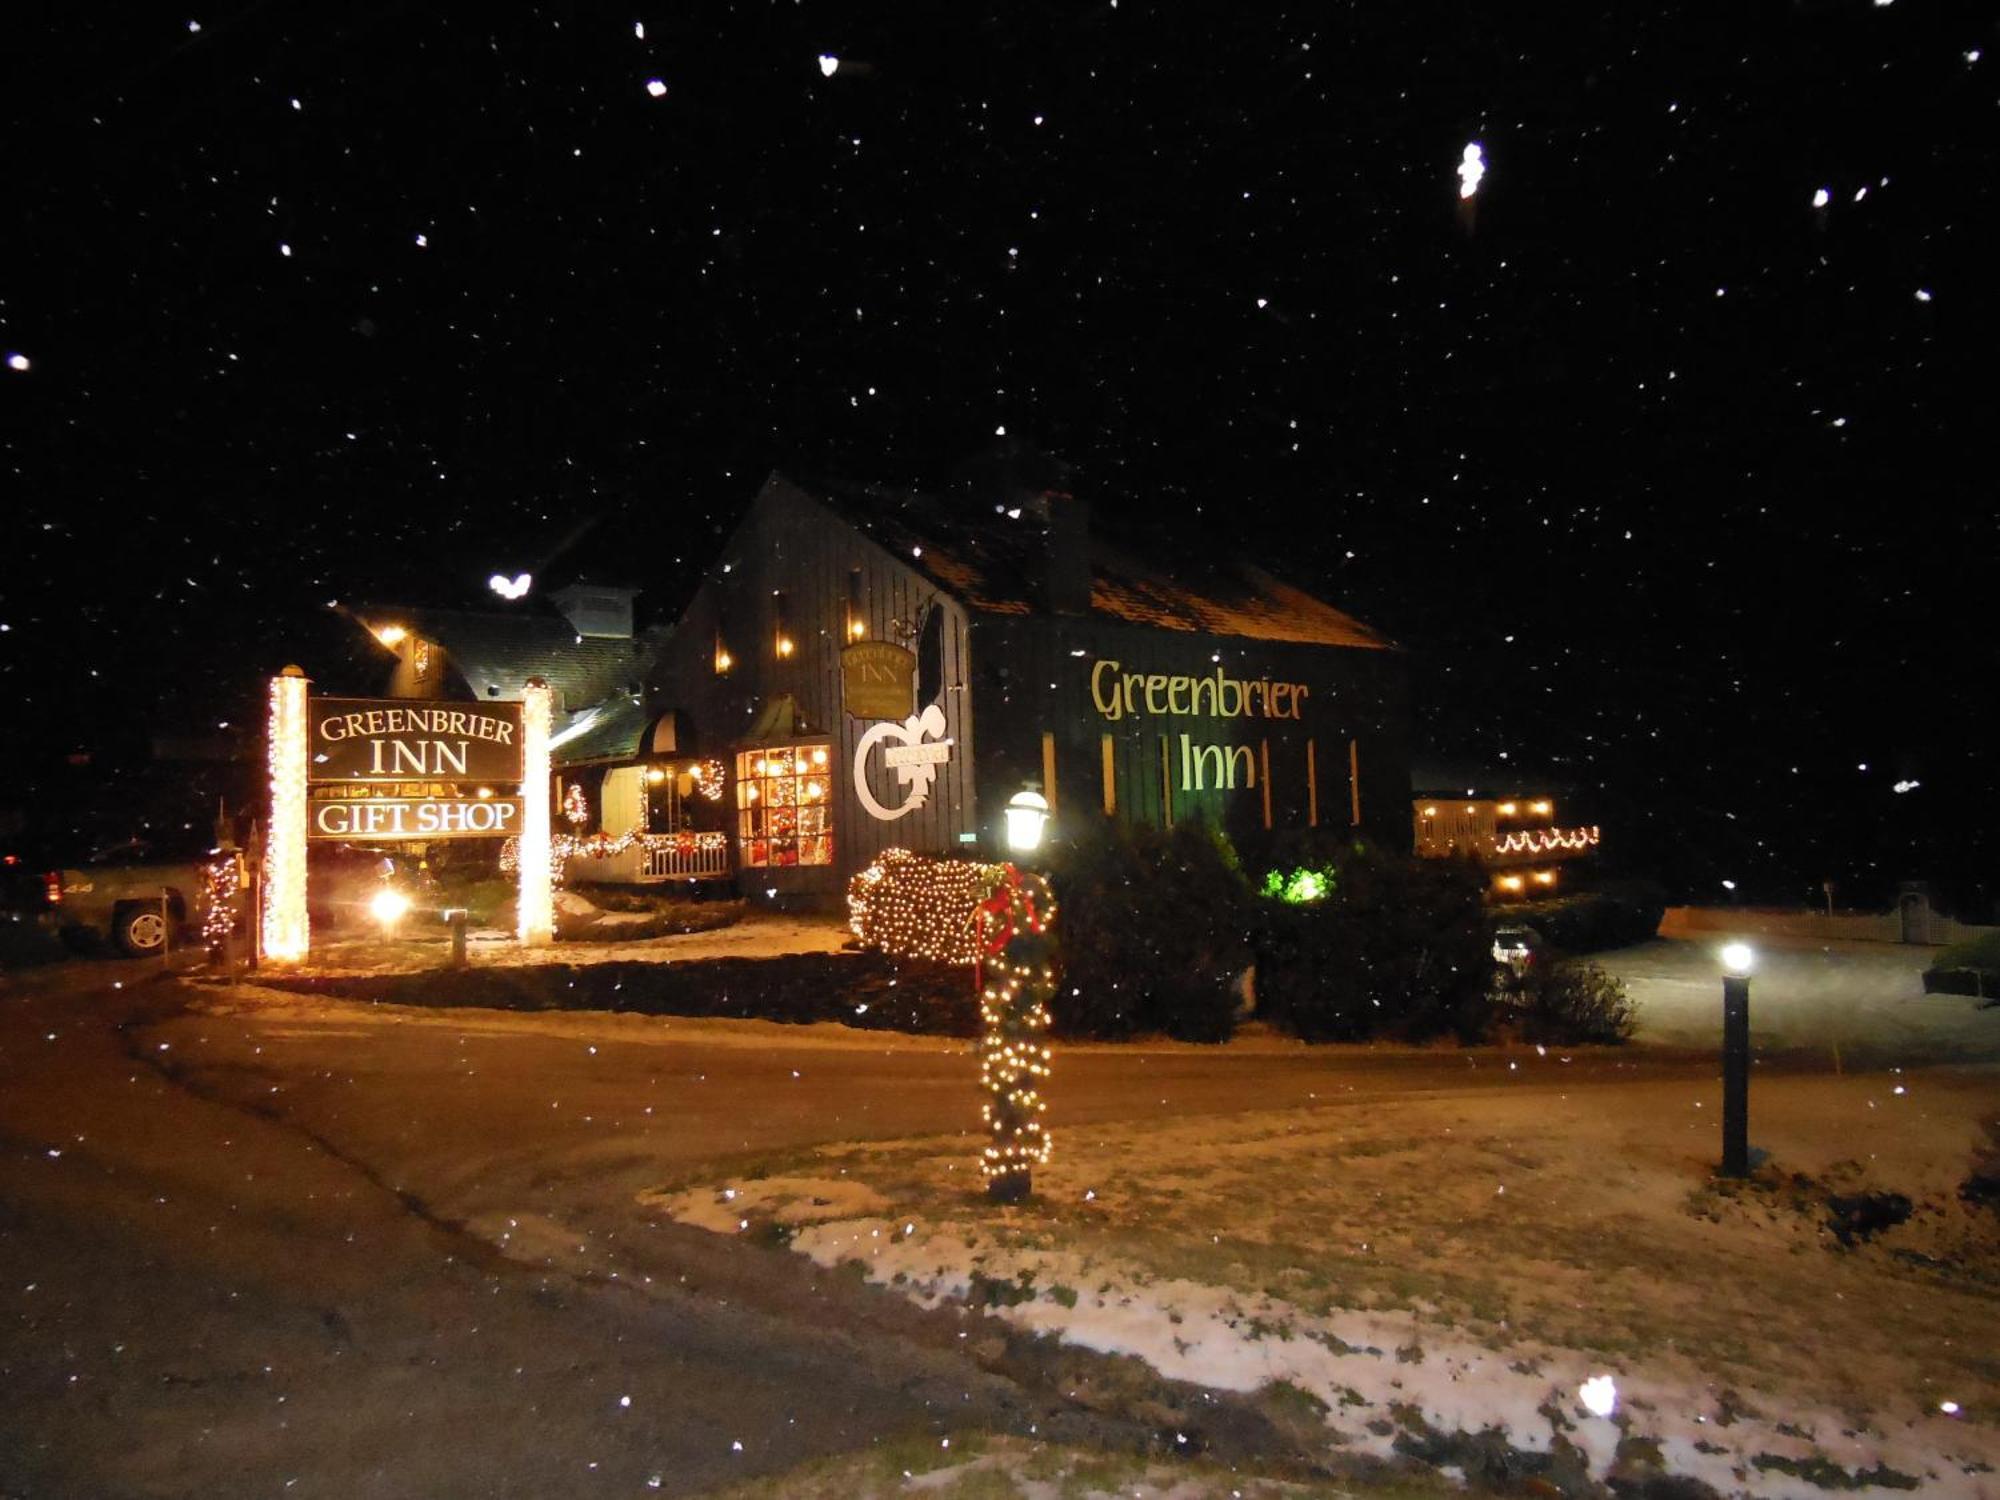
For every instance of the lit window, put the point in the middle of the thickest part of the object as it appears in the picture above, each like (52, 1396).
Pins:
(784, 807)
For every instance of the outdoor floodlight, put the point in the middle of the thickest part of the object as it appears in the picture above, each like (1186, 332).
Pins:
(388, 905)
(1027, 815)
(1738, 958)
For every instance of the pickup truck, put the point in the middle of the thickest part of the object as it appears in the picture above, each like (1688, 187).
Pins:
(135, 893)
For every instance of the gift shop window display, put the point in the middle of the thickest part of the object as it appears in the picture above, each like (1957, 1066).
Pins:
(784, 806)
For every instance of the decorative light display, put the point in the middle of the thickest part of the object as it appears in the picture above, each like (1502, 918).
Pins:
(576, 806)
(913, 906)
(224, 875)
(709, 776)
(536, 902)
(1546, 840)
(1016, 977)
(1300, 887)
(564, 847)
(286, 925)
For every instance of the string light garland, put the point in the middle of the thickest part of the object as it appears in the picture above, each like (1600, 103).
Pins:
(1546, 840)
(224, 879)
(564, 847)
(286, 924)
(914, 906)
(1016, 978)
(576, 806)
(534, 905)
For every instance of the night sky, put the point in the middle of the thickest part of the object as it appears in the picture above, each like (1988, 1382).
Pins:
(1665, 453)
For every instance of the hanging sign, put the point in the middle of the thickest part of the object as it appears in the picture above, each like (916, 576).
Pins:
(878, 680)
(405, 739)
(915, 749)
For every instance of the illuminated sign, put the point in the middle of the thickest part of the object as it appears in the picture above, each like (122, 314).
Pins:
(426, 818)
(402, 739)
(1118, 694)
(920, 750)
(878, 680)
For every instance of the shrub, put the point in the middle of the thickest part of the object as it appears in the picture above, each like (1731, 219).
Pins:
(1968, 968)
(1399, 947)
(863, 990)
(1568, 1003)
(1153, 928)
(1590, 922)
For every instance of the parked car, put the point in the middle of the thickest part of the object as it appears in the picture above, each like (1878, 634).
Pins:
(140, 893)
(1517, 948)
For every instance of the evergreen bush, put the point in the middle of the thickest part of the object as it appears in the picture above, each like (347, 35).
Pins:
(1153, 928)
(1397, 947)
(1568, 1003)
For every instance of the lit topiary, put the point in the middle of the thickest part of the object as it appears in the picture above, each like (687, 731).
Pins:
(912, 906)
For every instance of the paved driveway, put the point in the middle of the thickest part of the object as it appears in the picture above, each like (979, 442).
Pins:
(1854, 1001)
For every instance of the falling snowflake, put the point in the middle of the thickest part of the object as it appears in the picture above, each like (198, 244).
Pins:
(1471, 168)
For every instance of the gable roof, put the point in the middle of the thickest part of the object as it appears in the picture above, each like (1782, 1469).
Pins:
(494, 651)
(612, 730)
(993, 560)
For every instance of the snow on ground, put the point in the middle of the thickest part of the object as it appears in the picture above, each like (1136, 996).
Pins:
(1459, 1268)
(1851, 1001)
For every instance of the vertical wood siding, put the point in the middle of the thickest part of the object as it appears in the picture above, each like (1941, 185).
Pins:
(792, 544)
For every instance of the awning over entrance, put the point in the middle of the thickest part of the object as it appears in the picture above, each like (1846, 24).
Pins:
(618, 732)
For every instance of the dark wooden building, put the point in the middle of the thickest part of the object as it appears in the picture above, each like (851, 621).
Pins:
(881, 669)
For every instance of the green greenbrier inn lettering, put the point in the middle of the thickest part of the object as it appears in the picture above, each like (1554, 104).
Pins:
(1118, 693)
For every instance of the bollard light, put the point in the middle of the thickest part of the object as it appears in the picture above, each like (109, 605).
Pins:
(387, 906)
(1737, 961)
(1027, 816)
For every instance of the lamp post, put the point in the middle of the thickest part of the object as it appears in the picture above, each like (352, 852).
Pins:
(1737, 961)
(1027, 815)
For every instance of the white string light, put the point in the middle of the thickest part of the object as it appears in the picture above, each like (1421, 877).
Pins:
(287, 925)
(536, 903)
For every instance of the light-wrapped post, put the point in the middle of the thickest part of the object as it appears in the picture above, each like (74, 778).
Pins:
(287, 927)
(1016, 978)
(536, 904)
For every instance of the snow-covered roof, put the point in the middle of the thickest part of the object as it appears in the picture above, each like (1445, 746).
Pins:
(994, 561)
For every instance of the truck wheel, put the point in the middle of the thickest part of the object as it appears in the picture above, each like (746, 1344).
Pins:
(139, 930)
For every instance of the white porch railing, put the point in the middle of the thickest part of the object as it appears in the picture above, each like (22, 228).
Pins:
(694, 856)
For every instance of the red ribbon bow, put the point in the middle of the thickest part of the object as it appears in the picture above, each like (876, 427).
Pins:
(993, 939)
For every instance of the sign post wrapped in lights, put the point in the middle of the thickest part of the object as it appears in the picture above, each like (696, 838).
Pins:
(287, 928)
(1016, 977)
(536, 902)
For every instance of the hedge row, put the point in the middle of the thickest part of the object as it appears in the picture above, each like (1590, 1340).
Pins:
(856, 989)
